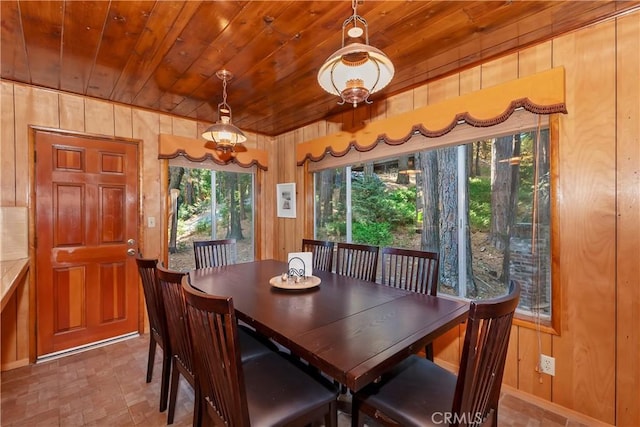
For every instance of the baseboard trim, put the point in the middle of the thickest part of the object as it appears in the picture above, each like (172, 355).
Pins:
(554, 407)
(83, 348)
(14, 364)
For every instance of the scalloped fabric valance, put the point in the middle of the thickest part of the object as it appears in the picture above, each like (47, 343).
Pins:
(171, 146)
(542, 93)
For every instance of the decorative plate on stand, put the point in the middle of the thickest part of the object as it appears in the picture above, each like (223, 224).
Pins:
(291, 284)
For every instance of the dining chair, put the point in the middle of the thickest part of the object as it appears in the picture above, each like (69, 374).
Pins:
(357, 260)
(267, 390)
(322, 253)
(214, 253)
(170, 283)
(417, 392)
(158, 335)
(411, 270)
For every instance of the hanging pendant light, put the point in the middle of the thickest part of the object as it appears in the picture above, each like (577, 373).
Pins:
(357, 70)
(223, 133)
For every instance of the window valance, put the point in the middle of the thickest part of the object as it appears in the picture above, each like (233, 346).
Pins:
(171, 146)
(542, 93)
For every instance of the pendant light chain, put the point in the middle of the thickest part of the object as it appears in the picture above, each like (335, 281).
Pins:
(224, 90)
(354, 6)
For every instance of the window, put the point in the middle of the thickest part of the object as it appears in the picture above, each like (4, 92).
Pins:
(208, 205)
(484, 206)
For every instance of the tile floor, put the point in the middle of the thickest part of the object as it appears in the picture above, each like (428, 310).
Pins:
(106, 387)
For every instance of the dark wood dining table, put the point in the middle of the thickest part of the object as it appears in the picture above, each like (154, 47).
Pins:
(350, 329)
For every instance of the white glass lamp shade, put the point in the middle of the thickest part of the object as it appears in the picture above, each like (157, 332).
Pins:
(356, 71)
(224, 134)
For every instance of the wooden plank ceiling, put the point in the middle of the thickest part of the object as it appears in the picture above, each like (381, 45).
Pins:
(163, 55)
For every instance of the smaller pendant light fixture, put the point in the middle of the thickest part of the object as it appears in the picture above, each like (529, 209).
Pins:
(357, 70)
(223, 133)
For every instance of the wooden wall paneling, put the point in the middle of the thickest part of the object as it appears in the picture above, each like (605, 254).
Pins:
(534, 59)
(165, 123)
(628, 240)
(470, 80)
(421, 96)
(186, 128)
(500, 70)
(123, 121)
(23, 320)
(295, 227)
(271, 193)
(447, 348)
(585, 351)
(8, 146)
(14, 328)
(260, 227)
(14, 232)
(444, 89)
(532, 343)
(99, 117)
(32, 107)
(146, 127)
(400, 103)
(314, 130)
(286, 237)
(9, 333)
(360, 117)
(267, 192)
(510, 375)
(332, 126)
(304, 196)
(378, 110)
(72, 115)
(311, 131)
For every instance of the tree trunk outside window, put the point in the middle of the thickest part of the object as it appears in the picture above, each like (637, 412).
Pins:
(235, 228)
(428, 163)
(512, 212)
(502, 152)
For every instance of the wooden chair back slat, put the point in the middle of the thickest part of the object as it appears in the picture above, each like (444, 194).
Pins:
(409, 269)
(171, 284)
(214, 253)
(322, 253)
(153, 298)
(357, 261)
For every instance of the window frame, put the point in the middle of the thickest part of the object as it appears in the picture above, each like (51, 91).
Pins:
(521, 121)
(182, 161)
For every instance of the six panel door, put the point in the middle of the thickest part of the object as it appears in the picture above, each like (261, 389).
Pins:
(87, 231)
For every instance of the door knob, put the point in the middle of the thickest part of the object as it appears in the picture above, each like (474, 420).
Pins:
(131, 252)
(131, 242)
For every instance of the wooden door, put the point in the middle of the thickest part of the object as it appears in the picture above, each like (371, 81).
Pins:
(86, 238)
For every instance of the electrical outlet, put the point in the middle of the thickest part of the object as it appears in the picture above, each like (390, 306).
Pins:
(547, 365)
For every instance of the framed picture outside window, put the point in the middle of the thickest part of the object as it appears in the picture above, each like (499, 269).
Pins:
(286, 200)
